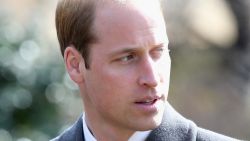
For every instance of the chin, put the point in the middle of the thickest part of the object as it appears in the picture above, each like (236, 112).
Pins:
(151, 124)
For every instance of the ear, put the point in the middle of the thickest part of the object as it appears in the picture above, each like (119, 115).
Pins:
(74, 63)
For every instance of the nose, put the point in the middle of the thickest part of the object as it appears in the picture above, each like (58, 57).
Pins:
(149, 75)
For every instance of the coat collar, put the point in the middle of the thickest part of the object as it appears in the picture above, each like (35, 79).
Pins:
(174, 127)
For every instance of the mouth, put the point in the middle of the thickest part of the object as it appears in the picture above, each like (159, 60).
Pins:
(149, 104)
(147, 101)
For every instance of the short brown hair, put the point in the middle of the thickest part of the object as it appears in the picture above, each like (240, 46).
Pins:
(74, 24)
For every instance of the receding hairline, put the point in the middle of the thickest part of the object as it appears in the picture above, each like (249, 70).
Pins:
(69, 14)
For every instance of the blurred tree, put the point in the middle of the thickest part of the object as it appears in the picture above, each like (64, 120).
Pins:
(210, 63)
(25, 76)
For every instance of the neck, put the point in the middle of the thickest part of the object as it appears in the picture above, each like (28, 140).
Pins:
(104, 131)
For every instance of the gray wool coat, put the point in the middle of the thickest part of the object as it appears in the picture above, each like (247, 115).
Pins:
(174, 127)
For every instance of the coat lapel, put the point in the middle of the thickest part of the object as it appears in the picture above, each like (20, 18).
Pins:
(79, 130)
(174, 127)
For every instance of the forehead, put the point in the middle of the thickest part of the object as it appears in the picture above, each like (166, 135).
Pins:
(128, 15)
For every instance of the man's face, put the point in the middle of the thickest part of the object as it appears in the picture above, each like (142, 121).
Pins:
(127, 84)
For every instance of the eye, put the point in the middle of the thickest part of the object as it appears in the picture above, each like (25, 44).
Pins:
(127, 58)
(157, 52)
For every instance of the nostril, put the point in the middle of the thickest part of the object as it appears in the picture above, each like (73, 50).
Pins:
(148, 82)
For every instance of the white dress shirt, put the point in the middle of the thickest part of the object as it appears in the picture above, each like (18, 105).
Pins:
(137, 136)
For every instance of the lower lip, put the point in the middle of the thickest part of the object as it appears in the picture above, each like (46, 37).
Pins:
(149, 108)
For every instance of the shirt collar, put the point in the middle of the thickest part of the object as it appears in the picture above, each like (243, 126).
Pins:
(87, 134)
(137, 136)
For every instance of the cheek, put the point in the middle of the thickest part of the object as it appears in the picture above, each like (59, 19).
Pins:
(120, 77)
(164, 70)
(108, 87)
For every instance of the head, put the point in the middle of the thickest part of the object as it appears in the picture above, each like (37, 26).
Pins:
(124, 45)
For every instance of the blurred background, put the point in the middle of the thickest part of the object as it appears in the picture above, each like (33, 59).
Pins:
(210, 81)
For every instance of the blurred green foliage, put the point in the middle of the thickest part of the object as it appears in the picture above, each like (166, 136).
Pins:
(28, 109)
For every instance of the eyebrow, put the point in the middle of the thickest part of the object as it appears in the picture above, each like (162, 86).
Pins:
(124, 50)
(134, 49)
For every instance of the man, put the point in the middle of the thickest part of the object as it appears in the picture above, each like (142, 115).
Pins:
(117, 53)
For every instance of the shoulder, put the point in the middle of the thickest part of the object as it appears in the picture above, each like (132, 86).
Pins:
(73, 133)
(206, 135)
(175, 127)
